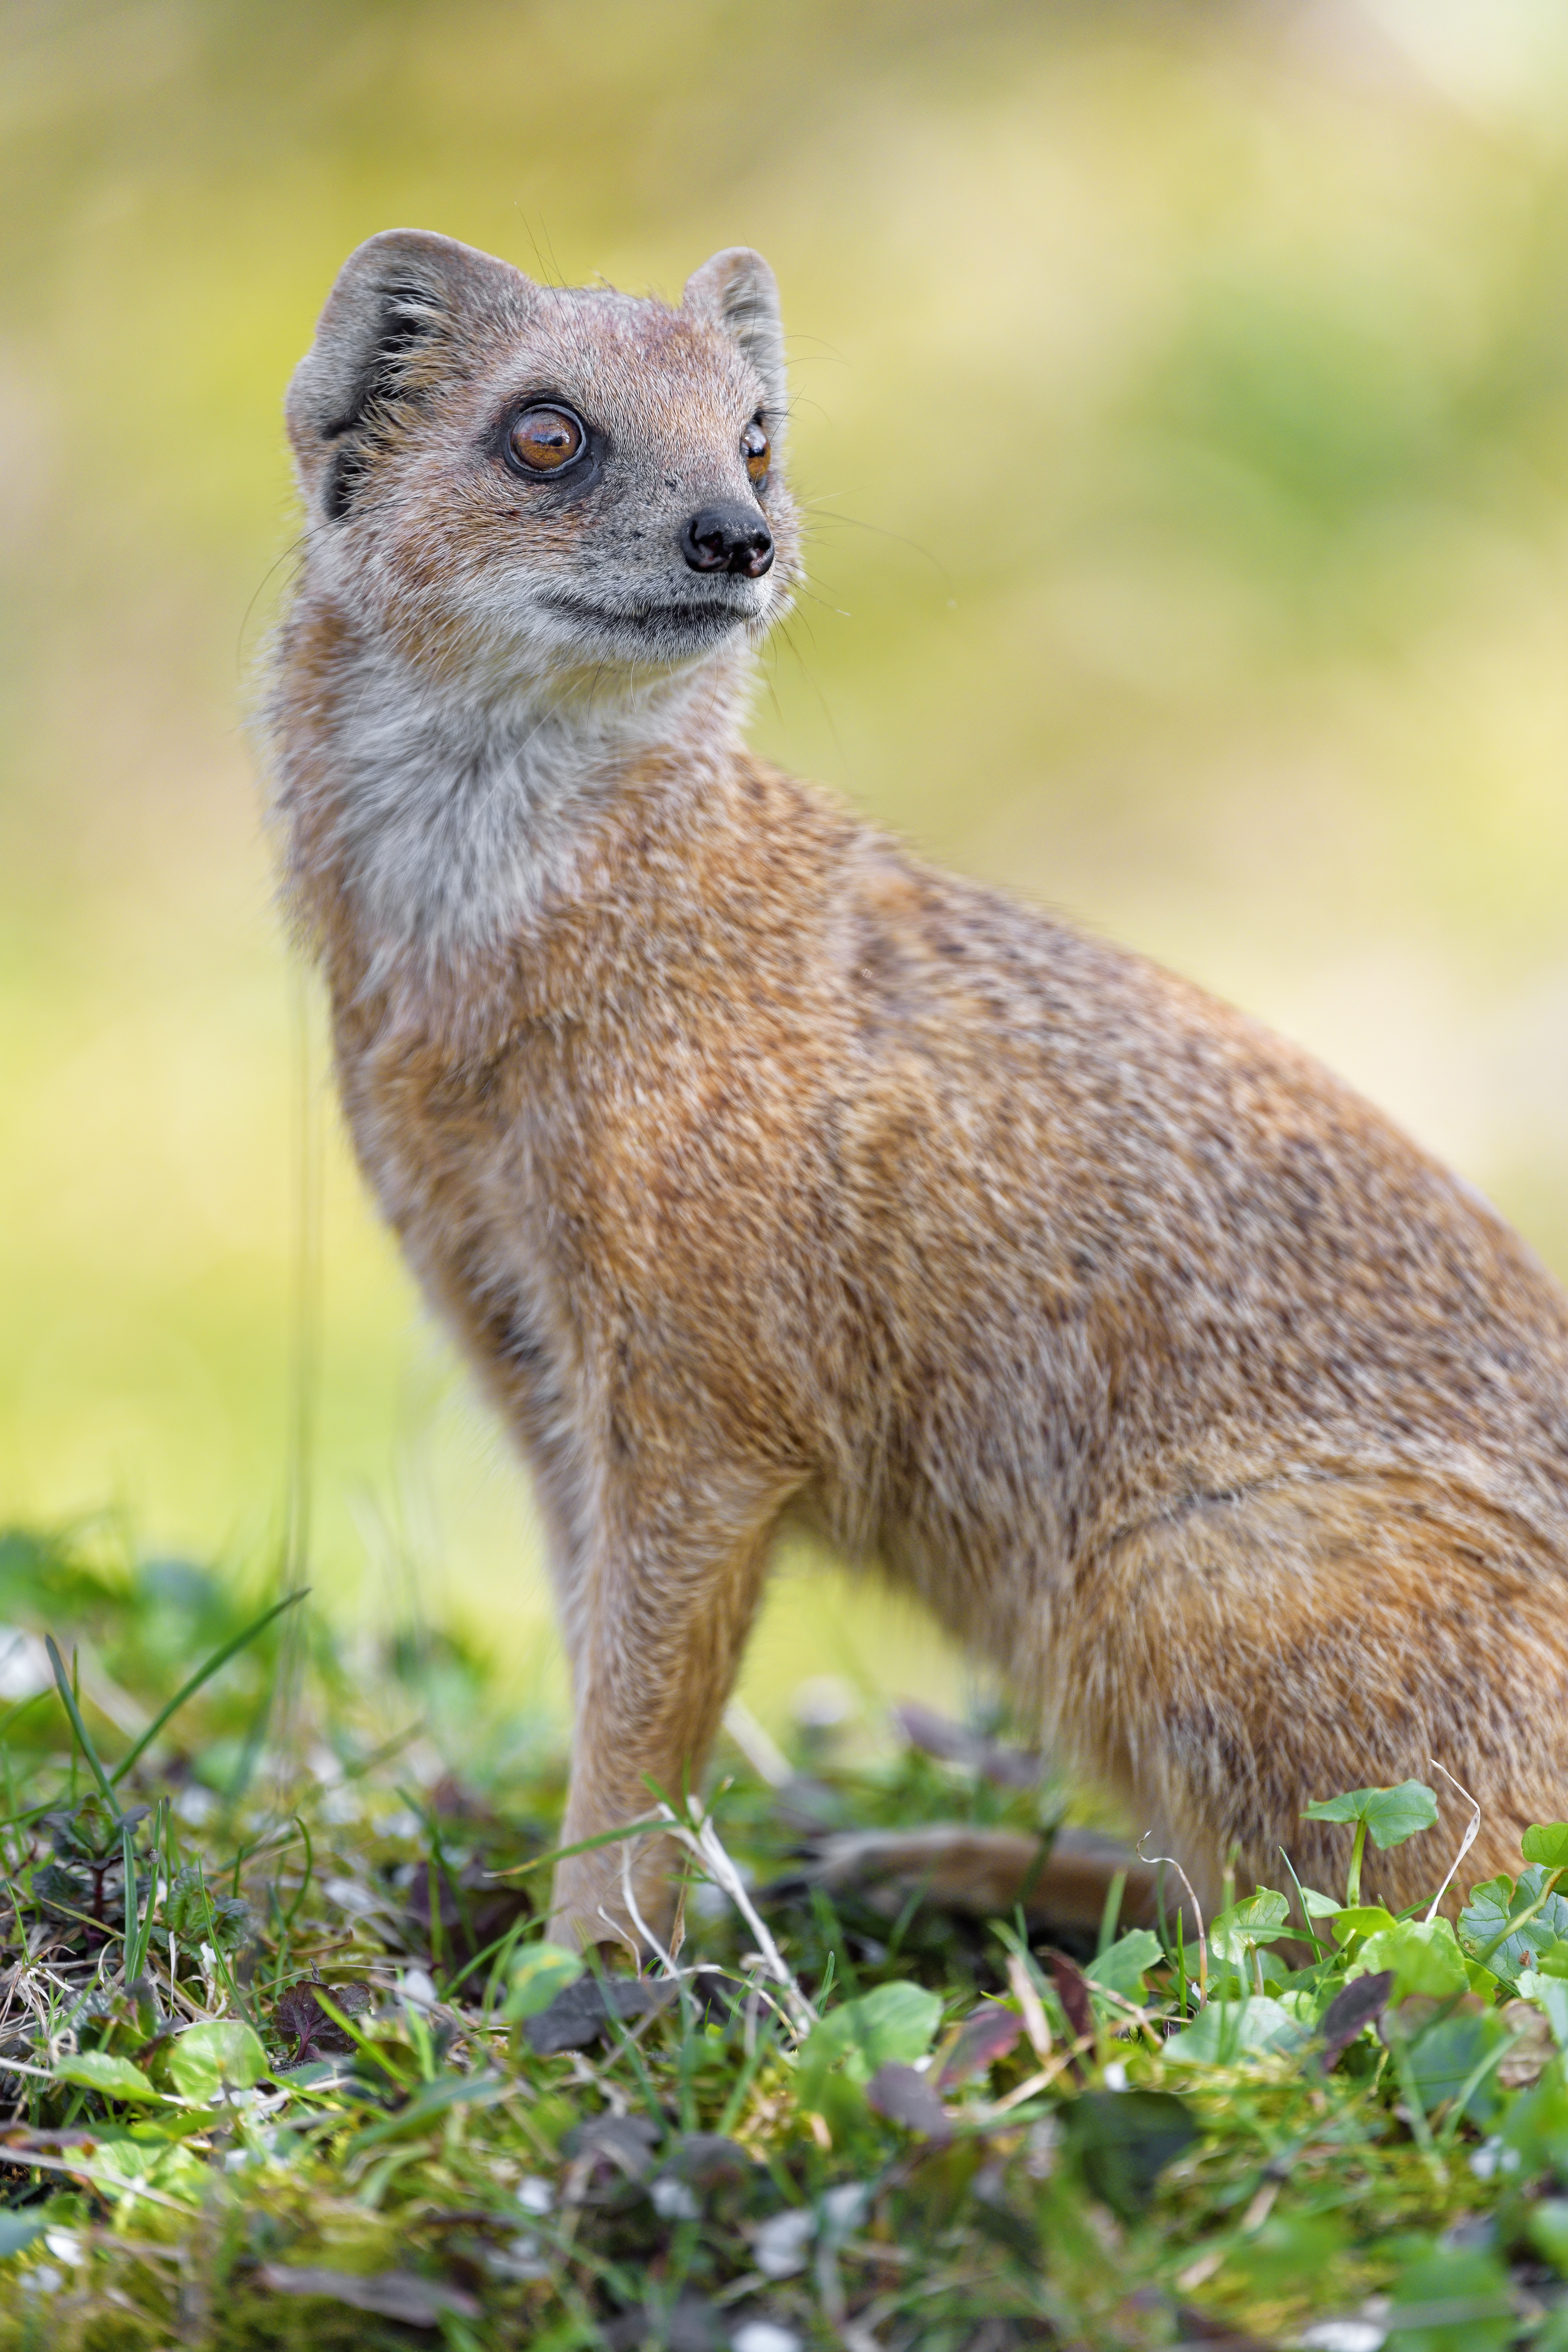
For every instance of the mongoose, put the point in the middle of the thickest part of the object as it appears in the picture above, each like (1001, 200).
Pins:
(769, 1177)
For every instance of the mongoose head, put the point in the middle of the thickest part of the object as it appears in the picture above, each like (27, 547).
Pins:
(531, 483)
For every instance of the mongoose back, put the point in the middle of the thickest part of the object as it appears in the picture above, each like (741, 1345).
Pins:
(768, 1176)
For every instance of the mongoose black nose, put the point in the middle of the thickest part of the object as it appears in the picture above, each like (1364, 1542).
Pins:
(728, 538)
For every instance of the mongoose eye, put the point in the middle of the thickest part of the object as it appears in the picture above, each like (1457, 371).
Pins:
(545, 440)
(755, 450)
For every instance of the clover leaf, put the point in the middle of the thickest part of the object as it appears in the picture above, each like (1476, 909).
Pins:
(539, 1972)
(1388, 1816)
(220, 2051)
(113, 2078)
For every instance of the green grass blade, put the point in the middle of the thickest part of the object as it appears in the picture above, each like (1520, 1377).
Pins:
(220, 1657)
(20, 1707)
(138, 1927)
(83, 1738)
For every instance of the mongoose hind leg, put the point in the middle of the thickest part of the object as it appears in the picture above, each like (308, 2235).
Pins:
(1257, 1650)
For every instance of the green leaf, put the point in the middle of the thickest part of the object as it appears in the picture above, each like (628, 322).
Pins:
(1475, 2284)
(1390, 1815)
(1226, 2030)
(538, 1973)
(1494, 1903)
(1290, 2255)
(1424, 1954)
(114, 2078)
(1361, 1919)
(222, 2050)
(1443, 2060)
(1262, 1919)
(1549, 1993)
(175, 2171)
(1547, 2227)
(18, 2231)
(1536, 2126)
(1546, 1842)
(1318, 1906)
(891, 2026)
(1120, 1968)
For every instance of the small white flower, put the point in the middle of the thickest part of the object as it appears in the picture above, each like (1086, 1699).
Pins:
(519, 2258)
(674, 2201)
(762, 2335)
(44, 2280)
(25, 1668)
(1116, 2075)
(535, 2195)
(1343, 2335)
(1492, 2157)
(418, 1990)
(780, 2243)
(843, 2207)
(64, 2244)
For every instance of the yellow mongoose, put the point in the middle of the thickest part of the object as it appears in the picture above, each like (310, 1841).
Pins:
(767, 1175)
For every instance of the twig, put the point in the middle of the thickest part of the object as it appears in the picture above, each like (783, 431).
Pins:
(704, 1844)
(1032, 2008)
(1466, 1843)
(1197, 1915)
(1040, 2082)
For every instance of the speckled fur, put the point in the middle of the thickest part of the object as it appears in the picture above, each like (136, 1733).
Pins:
(767, 1175)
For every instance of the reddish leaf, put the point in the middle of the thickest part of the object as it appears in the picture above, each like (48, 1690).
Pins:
(627, 2141)
(298, 2013)
(581, 2014)
(708, 2161)
(984, 2038)
(1203, 2327)
(905, 2097)
(693, 2325)
(1072, 1992)
(1360, 2004)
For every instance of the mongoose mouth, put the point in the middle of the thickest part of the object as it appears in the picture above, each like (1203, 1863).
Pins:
(706, 617)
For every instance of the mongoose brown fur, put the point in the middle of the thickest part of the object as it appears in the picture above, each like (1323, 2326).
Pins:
(768, 1176)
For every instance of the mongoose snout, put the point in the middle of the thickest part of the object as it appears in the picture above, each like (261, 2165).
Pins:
(830, 1190)
(728, 538)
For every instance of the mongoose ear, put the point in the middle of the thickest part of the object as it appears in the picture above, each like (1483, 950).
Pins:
(737, 291)
(395, 302)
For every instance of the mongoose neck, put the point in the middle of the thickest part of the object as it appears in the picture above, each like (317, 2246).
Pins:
(454, 818)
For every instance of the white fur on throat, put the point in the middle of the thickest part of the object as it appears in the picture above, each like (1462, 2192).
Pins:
(460, 819)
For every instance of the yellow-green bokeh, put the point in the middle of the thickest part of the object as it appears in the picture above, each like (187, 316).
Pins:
(1180, 414)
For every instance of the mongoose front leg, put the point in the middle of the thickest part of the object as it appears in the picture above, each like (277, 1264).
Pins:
(659, 1619)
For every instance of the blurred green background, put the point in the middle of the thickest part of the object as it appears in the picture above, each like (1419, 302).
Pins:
(1183, 423)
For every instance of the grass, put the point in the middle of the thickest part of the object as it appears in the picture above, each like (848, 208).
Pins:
(285, 2060)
